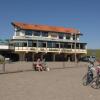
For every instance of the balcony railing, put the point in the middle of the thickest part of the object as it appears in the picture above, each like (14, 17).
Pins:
(55, 50)
(43, 38)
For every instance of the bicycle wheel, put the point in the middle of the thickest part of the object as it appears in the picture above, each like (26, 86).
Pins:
(95, 83)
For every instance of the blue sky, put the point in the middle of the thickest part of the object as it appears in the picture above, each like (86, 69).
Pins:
(81, 14)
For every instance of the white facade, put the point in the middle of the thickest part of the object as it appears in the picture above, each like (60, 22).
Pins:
(39, 41)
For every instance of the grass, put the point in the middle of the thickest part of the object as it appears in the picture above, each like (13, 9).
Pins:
(94, 52)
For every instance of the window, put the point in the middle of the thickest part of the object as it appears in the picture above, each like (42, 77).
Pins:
(68, 36)
(16, 44)
(74, 37)
(65, 45)
(24, 44)
(41, 44)
(34, 44)
(82, 46)
(45, 34)
(61, 36)
(17, 32)
(29, 43)
(54, 35)
(55, 45)
(28, 32)
(20, 44)
(49, 44)
(61, 45)
(73, 45)
(69, 45)
(77, 46)
(37, 33)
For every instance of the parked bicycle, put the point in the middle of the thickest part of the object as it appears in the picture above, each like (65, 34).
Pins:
(88, 78)
(96, 81)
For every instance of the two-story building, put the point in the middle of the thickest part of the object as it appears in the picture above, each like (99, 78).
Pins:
(50, 42)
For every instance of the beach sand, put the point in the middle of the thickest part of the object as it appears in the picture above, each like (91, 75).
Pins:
(62, 82)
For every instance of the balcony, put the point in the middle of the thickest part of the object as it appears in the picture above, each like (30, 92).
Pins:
(52, 50)
(43, 38)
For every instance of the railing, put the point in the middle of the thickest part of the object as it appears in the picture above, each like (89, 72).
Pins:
(55, 50)
(43, 38)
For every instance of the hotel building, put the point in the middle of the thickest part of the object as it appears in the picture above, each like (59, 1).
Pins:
(53, 43)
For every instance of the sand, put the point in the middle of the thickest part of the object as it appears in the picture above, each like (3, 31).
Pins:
(62, 82)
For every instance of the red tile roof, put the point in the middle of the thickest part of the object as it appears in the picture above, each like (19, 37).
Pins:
(44, 28)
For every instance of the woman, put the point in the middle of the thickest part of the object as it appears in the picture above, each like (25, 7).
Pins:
(39, 65)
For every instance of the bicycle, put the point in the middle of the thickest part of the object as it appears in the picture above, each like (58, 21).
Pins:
(96, 81)
(88, 78)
